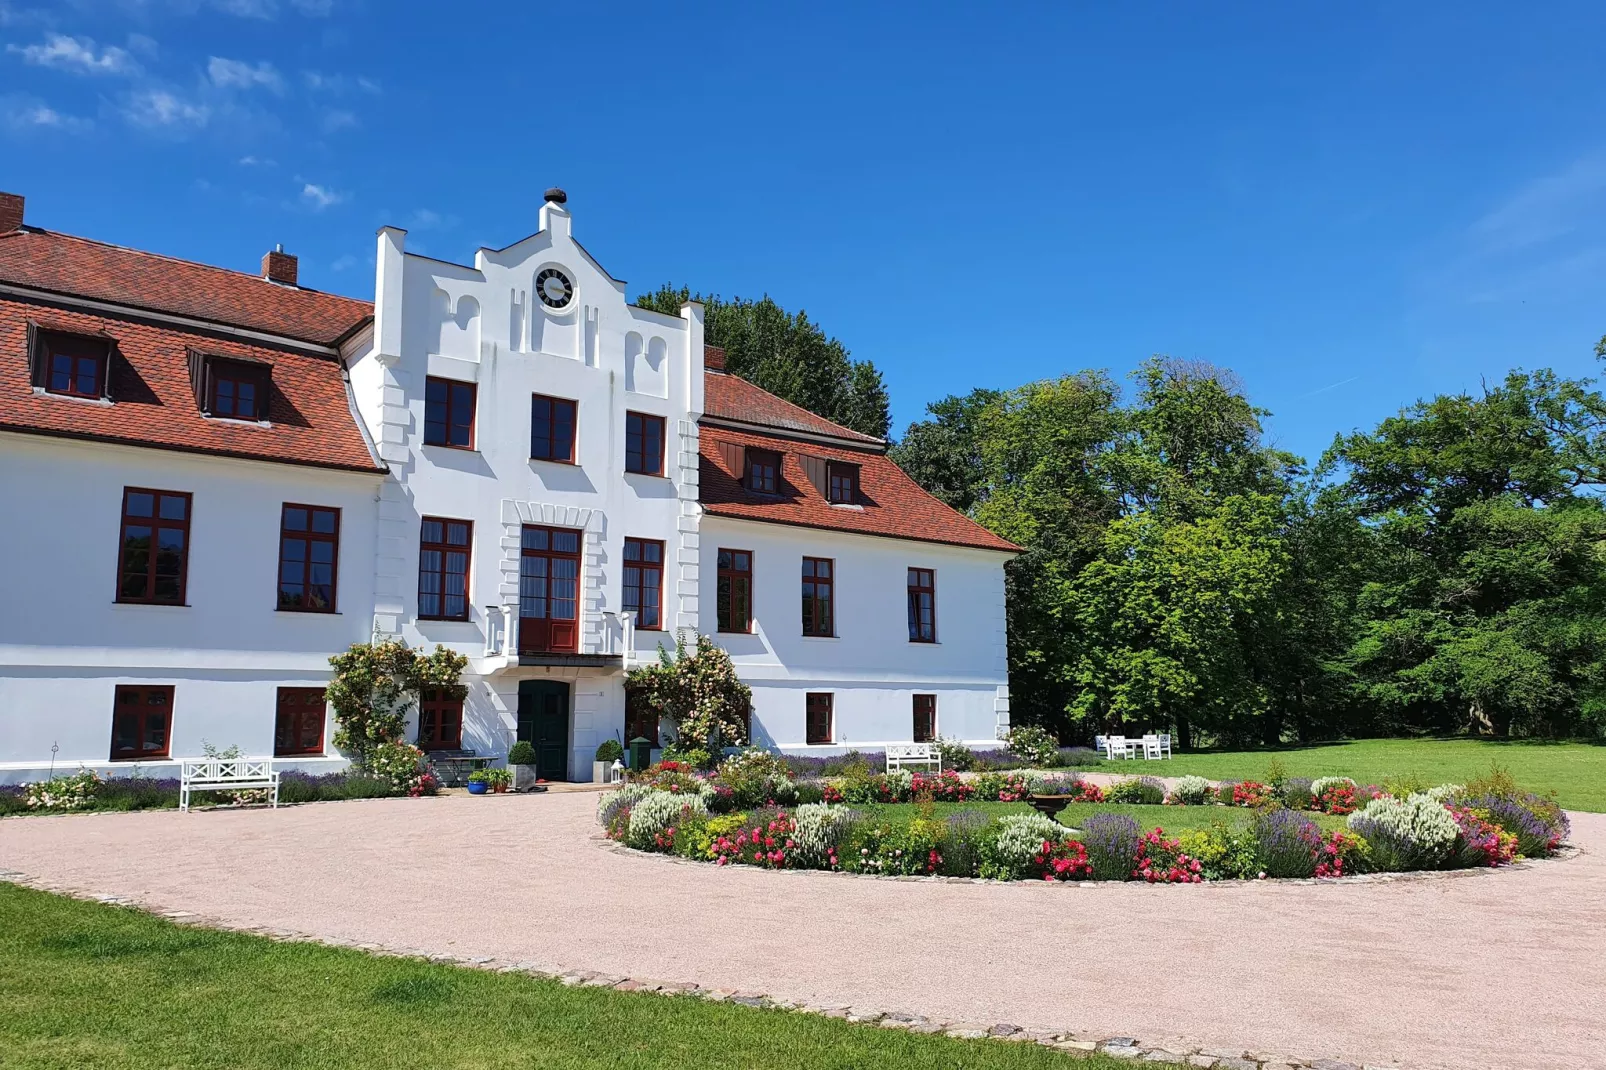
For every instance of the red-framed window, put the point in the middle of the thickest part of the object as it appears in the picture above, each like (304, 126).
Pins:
(734, 595)
(819, 596)
(763, 473)
(449, 413)
(817, 709)
(641, 718)
(925, 727)
(440, 721)
(153, 546)
(922, 605)
(644, 444)
(551, 429)
(70, 364)
(142, 721)
(236, 390)
(298, 721)
(309, 556)
(549, 590)
(444, 549)
(644, 582)
(842, 482)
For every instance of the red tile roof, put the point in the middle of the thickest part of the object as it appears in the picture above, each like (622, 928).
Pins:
(892, 504)
(64, 264)
(310, 419)
(730, 398)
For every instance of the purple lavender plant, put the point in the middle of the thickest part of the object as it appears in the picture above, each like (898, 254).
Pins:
(1539, 824)
(1112, 845)
(1286, 843)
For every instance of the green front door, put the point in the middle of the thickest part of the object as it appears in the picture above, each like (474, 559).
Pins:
(544, 724)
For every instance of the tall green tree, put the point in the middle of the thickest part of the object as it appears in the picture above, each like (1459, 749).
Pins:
(787, 354)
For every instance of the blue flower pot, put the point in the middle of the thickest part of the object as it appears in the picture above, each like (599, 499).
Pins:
(476, 787)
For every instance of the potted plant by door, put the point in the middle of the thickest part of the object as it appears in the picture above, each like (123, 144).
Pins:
(479, 782)
(521, 760)
(610, 751)
(499, 779)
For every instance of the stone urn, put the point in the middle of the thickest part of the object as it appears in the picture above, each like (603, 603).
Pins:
(1049, 805)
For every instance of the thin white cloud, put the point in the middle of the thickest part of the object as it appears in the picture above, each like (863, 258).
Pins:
(77, 55)
(248, 9)
(338, 84)
(24, 114)
(368, 85)
(255, 161)
(320, 197)
(1546, 208)
(338, 120)
(316, 9)
(238, 74)
(343, 263)
(161, 108)
(427, 219)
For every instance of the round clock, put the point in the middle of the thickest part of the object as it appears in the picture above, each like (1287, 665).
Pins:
(554, 287)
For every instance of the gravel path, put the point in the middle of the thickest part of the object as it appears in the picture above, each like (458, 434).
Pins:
(1472, 970)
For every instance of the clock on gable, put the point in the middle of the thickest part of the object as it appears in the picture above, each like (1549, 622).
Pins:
(556, 288)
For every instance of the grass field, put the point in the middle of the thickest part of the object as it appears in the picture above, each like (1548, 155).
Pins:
(91, 985)
(1171, 818)
(1576, 772)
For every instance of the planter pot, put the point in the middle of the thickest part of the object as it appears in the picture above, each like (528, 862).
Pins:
(599, 772)
(476, 787)
(498, 789)
(523, 777)
(1049, 805)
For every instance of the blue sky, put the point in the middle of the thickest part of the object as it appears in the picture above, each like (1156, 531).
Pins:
(1350, 207)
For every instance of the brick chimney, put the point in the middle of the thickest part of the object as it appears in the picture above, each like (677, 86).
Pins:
(279, 266)
(10, 212)
(714, 357)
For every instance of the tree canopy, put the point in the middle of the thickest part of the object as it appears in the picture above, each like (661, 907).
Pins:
(787, 354)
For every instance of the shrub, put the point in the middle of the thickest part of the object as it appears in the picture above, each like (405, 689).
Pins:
(1112, 846)
(1064, 860)
(1163, 861)
(1144, 790)
(13, 799)
(962, 844)
(699, 691)
(298, 787)
(403, 765)
(613, 809)
(1286, 843)
(75, 791)
(955, 755)
(756, 778)
(1482, 842)
(818, 831)
(809, 791)
(1192, 791)
(655, 816)
(946, 786)
(879, 788)
(1446, 792)
(904, 850)
(764, 839)
(1322, 783)
(523, 753)
(690, 757)
(1245, 793)
(1015, 850)
(1032, 744)
(609, 750)
(1404, 834)
(1001, 787)
(1337, 799)
(147, 793)
(1296, 794)
(1539, 825)
(1223, 853)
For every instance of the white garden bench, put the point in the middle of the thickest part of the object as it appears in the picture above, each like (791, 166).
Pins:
(922, 754)
(226, 774)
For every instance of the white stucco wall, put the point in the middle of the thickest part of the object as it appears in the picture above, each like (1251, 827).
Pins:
(485, 324)
(870, 666)
(65, 643)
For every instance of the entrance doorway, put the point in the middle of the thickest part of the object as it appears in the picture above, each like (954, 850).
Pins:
(544, 724)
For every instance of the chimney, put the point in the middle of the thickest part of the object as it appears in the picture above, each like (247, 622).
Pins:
(277, 266)
(10, 212)
(714, 357)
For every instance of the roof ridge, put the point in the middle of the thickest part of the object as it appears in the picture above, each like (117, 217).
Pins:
(846, 432)
(188, 263)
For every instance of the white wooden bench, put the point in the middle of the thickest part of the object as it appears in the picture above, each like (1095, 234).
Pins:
(922, 754)
(226, 774)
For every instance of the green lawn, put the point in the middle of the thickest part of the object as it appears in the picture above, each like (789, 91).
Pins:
(1171, 818)
(1576, 772)
(90, 985)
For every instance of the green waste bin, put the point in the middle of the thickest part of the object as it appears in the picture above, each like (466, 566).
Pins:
(640, 754)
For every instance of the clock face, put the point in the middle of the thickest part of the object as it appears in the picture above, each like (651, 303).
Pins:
(554, 287)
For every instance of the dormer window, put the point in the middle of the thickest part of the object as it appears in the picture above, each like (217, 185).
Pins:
(842, 482)
(763, 471)
(230, 388)
(73, 365)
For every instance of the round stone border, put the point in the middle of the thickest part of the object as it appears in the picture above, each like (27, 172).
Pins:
(1070, 1042)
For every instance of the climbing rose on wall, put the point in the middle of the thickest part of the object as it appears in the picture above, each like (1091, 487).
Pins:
(376, 685)
(699, 692)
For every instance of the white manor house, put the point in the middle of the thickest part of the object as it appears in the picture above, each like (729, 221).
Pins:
(220, 479)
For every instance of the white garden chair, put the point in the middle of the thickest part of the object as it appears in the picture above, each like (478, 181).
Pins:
(1151, 747)
(1165, 743)
(1118, 745)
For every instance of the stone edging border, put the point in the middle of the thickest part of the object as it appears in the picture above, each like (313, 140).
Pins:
(1069, 1042)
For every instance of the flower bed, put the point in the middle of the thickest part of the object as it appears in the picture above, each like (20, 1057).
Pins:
(839, 823)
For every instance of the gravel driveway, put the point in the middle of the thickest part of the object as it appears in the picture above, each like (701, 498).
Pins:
(1502, 969)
